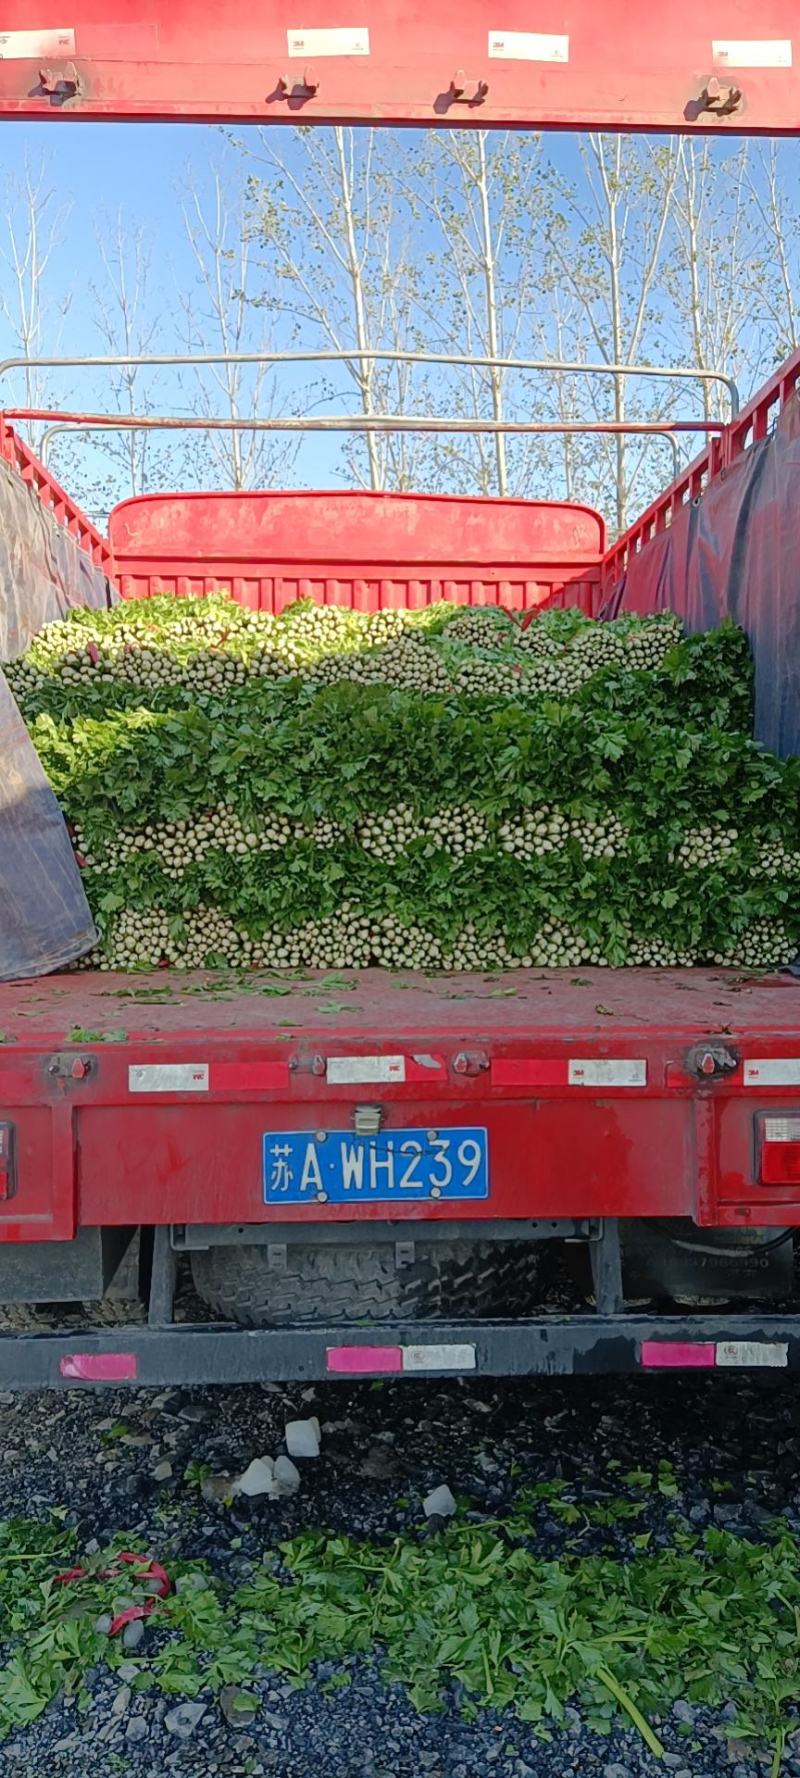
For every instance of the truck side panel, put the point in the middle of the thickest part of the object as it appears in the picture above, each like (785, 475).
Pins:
(722, 542)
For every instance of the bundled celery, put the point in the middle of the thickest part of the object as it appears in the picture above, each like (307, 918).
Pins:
(444, 789)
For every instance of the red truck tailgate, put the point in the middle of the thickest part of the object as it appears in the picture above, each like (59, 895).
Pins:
(132, 1099)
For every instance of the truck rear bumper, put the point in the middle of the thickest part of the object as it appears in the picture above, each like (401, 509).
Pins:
(579, 1345)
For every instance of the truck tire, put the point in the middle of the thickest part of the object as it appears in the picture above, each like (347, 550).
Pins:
(458, 1279)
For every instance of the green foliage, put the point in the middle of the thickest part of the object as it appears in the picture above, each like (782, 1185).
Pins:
(713, 1619)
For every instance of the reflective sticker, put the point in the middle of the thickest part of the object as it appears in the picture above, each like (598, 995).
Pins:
(438, 1358)
(606, 1072)
(168, 1077)
(25, 46)
(527, 46)
(346, 1071)
(752, 52)
(99, 1367)
(675, 1355)
(732, 1353)
(349, 40)
(773, 1071)
(357, 1361)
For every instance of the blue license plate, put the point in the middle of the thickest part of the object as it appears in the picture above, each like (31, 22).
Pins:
(396, 1166)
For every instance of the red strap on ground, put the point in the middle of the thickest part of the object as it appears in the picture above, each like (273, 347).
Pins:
(152, 1571)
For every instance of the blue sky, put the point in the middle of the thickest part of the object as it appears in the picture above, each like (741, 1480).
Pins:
(135, 170)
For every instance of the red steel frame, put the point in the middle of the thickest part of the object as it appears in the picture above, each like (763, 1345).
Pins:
(725, 65)
(569, 1137)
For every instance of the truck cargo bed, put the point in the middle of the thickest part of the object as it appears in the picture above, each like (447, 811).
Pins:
(148, 1099)
(375, 1003)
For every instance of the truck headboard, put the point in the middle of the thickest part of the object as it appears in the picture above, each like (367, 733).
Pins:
(362, 550)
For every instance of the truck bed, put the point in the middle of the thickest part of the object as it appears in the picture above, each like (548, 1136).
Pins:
(147, 1099)
(351, 1005)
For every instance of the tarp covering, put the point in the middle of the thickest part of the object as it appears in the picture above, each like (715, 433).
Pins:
(735, 552)
(44, 915)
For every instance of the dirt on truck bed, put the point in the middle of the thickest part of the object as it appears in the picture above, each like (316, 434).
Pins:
(83, 1006)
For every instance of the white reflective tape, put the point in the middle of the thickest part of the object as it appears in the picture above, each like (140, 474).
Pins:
(353, 1071)
(438, 1358)
(168, 1077)
(782, 1129)
(773, 1071)
(527, 46)
(752, 52)
(734, 1353)
(23, 46)
(585, 1072)
(348, 40)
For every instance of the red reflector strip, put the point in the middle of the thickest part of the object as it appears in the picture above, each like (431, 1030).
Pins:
(247, 1076)
(100, 1367)
(572, 1071)
(673, 1355)
(356, 1360)
(527, 1072)
(6, 1162)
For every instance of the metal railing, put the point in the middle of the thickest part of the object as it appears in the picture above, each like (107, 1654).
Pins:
(338, 423)
(574, 367)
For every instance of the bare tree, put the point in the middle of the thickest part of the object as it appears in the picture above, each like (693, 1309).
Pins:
(608, 244)
(711, 239)
(484, 199)
(340, 272)
(771, 272)
(127, 321)
(219, 315)
(31, 313)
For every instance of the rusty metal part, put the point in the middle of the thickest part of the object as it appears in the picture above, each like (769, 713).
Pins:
(720, 98)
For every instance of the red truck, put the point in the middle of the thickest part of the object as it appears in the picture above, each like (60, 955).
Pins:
(642, 1195)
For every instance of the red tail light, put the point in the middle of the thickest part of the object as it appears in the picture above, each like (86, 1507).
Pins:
(7, 1180)
(780, 1151)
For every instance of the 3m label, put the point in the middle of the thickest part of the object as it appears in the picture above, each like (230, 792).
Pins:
(606, 1072)
(773, 1071)
(527, 46)
(351, 1071)
(733, 1353)
(752, 52)
(169, 1077)
(24, 46)
(347, 40)
(438, 1358)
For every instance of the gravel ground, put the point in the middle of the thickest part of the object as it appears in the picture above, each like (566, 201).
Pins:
(735, 1449)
